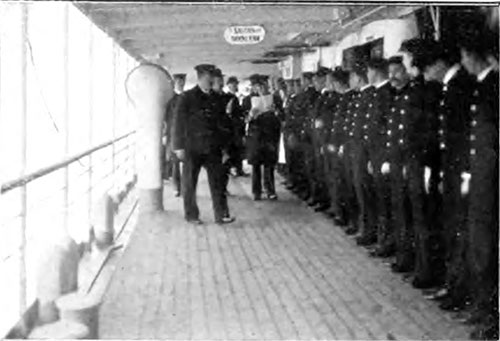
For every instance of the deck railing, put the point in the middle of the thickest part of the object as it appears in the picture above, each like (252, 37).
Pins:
(38, 207)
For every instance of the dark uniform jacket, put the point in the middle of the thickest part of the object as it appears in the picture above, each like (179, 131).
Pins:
(306, 107)
(454, 120)
(169, 120)
(326, 113)
(362, 105)
(337, 136)
(200, 123)
(263, 139)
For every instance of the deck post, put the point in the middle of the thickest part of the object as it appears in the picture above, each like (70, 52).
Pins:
(149, 88)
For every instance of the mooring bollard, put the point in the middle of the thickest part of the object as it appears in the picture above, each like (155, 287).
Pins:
(61, 330)
(103, 222)
(149, 87)
(57, 276)
(81, 308)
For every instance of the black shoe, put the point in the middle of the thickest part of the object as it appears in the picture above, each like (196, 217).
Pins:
(257, 197)
(382, 252)
(451, 304)
(312, 202)
(272, 196)
(225, 220)
(351, 230)
(400, 268)
(196, 221)
(366, 240)
(423, 284)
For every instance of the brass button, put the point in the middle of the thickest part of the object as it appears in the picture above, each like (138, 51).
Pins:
(367, 115)
(473, 137)
(400, 141)
(365, 126)
(440, 132)
(406, 97)
(445, 88)
(388, 144)
(390, 120)
(366, 137)
(396, 98)
(389, 132)
(393, 109)
(401, 127)
(441, 117)
(472, 151)
(473, 108)
(357, 105)
(402, 111)
(370, 105)
(474, 123)
(442, 146)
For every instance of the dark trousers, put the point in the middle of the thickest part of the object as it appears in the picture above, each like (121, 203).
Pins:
(176, 173)
(403, 232)
(421, 228)
(350, 192)
(334, 169)
(454, 219)
(359, 161)
(380, 204)
(215, 172)
(483, 232)
(268, 179)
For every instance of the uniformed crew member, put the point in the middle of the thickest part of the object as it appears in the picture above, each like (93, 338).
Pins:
(237, 115)
(481, 182)
(263, 140)
(377, 116)
(173, 164)
(358, 153)
(198, 129)
(453, 138)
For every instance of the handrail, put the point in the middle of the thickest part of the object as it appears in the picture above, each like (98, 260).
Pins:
(23, 180)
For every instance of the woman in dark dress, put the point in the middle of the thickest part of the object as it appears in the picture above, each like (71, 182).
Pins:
(263, 140)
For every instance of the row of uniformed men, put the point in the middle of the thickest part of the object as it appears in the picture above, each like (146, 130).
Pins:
(404, 153)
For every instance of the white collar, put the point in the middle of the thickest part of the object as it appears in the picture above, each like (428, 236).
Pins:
(452, 71)
(363, 88)
(324, 90)
(381, 84)
(178, 92)
(484, 73)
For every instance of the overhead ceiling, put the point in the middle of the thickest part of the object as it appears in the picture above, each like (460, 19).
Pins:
(179, 36)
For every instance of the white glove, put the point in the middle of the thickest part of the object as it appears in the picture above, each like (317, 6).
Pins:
(331, 148)
(318, 124)
(369, 167)
(180, 154)
(229, 106)
(341, 150)
(464, 188)
(404, 172)
(427, 178)
(386, 168)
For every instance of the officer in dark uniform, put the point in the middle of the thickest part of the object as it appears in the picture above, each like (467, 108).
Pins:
(358, 153)
(237, 115)
(319, 116)
(306, 104)
(481, 183)
(396, 147)
(263, 141)
(172, 161)
(345, 150)
(419, 135)
(339, 80)
(198, 130)
(377, 120)
(246, 104)
(290, 93)
(453, 138)
(292, 131)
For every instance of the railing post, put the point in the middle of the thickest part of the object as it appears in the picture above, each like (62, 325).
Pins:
(66, 114)
(24, 115)
(149, 87)
(91, 116)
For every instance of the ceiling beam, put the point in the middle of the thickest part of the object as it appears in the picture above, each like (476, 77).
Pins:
(220, 14)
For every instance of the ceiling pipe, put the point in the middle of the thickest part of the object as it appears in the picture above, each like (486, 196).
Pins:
(361, 17)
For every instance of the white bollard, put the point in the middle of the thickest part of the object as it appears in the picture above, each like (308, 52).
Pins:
(149, 87)
(60, 330)
(57, 276)
(103, 222)
(81, 308)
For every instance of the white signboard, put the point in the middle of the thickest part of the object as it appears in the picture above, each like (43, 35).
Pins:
(244, 35)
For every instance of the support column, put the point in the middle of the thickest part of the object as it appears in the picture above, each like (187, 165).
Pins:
(149, 88)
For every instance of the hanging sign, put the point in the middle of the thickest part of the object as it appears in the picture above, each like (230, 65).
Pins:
(244, 35)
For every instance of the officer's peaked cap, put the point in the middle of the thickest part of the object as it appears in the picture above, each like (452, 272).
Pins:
(307, 75)
(232, 80)
(218, 73)
(205, 68)
(254, 79)
(179, 76)
(322, 72)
